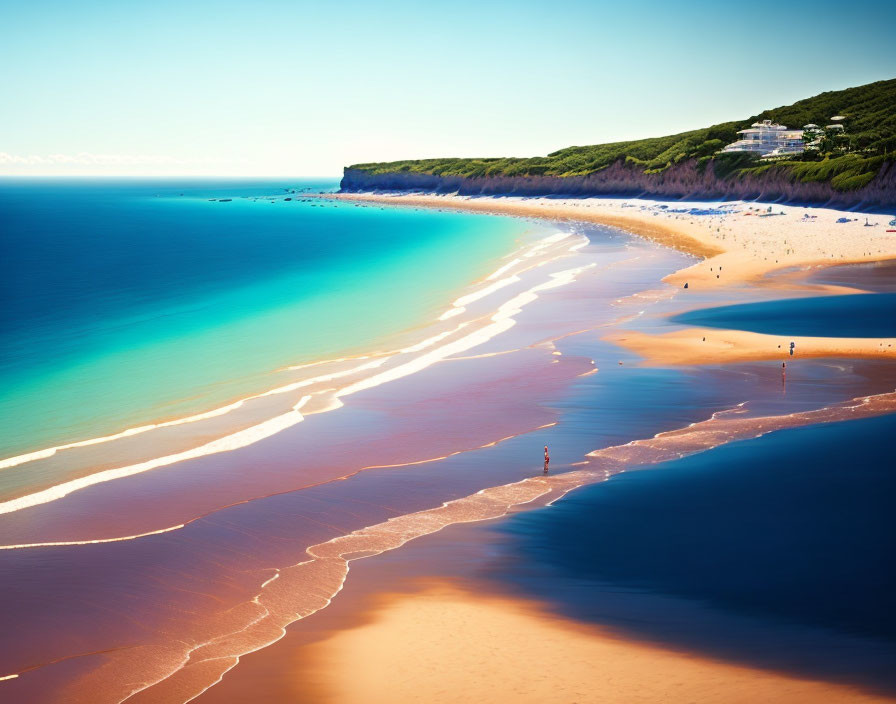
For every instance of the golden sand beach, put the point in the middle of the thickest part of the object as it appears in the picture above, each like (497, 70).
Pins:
(448, 644)
(715, 346)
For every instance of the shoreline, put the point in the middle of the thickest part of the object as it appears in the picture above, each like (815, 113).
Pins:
(818, 244)
(739, 248)
(321, 391)
(173, 337)
(544, 208)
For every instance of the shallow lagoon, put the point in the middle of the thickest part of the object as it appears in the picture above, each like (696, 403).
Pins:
(775, 551)
(859, 315)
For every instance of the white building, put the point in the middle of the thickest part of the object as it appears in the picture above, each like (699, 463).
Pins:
(768, 140)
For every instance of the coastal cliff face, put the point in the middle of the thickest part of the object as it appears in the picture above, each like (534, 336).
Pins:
(684, 180)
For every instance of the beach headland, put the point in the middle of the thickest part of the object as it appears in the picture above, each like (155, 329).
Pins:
(712, 163)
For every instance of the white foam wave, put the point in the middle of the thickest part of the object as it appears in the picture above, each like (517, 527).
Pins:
(98, 541)
(460, 304)
(502, 320)
(49, 452)
(46, 453)
(509, 265)
(485, 291)
(233, 441)
(451, 312)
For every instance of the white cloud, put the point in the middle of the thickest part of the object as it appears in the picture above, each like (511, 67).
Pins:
(89, 161)
(86, 158)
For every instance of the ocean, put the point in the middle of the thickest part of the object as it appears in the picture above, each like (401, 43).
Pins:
(774, 551)
(128, 302)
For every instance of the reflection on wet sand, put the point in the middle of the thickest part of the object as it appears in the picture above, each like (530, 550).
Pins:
(301, 589)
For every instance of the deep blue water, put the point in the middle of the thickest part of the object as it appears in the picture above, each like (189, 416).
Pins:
(796, 525)
(859, 315)
(126, 301)
(793, 532)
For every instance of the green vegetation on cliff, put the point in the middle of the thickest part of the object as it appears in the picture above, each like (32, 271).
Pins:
(870, 112)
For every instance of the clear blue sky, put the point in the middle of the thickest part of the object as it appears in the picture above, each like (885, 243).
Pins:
(303, 88)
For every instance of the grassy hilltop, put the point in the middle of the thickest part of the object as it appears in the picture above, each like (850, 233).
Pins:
(869, 142)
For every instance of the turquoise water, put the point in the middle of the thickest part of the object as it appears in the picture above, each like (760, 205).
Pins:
(127, 302)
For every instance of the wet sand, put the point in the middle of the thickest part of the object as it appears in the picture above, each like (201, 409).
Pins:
(426, 536)
(879, 276)
(450, 644)
(247, 619)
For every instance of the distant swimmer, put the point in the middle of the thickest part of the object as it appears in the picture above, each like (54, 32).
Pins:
(547, 459)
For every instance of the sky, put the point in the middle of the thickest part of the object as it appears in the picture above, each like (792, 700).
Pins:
(275, 88)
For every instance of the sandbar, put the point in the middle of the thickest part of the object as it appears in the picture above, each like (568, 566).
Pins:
(449, 644)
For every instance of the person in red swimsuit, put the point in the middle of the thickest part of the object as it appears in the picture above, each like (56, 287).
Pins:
(547, 459)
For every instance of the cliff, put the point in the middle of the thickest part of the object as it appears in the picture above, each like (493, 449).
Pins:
(851, 168)
(685, 180)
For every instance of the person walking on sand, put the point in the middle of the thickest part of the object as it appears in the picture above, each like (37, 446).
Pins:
(547, 459)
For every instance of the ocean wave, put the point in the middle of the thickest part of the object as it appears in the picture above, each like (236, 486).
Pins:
(434, 348)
